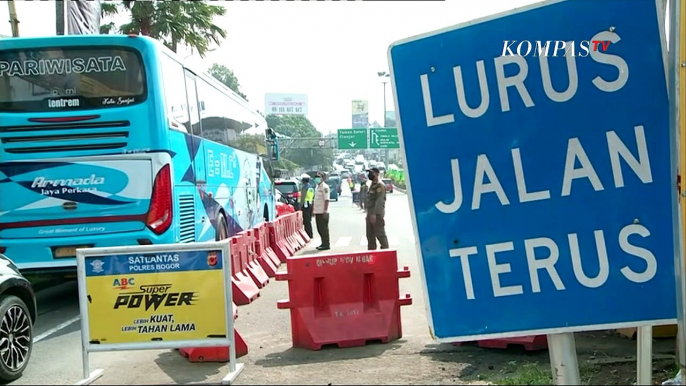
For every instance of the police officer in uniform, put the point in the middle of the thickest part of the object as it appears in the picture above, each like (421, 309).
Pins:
(376, 210)
(363, 192)
(306, 199)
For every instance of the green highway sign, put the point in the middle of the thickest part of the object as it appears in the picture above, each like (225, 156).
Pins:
(352, 138)
(386, 138)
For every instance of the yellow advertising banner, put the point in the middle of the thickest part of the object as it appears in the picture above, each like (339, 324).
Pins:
(156, 297)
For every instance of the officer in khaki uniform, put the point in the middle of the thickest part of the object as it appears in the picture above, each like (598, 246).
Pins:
(363, 193)
(376, 210)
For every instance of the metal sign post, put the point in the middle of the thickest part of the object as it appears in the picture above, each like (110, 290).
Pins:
(563, 359)
(644, 355)
(176, 273)
(676, 63)
(542, 154)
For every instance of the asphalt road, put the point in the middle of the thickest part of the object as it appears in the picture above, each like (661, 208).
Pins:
(56, 357)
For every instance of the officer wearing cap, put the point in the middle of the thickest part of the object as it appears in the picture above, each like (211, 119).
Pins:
(376, 210)
(306, 199)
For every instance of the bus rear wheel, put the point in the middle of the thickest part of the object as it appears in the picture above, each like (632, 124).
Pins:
(222, 228)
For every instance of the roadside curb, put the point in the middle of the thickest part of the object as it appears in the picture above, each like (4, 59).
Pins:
(401, 190)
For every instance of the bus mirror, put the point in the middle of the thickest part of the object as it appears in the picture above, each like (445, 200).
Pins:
(273, 150)
(271, 135)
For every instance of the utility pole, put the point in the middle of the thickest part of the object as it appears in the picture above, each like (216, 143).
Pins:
(61, 27)
(14, 22)
(384, 75)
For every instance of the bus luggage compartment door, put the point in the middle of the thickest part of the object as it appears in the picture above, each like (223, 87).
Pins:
(59, 198)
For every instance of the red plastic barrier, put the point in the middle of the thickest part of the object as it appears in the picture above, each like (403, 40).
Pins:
(530, 343)
(288, 232)
(283, 209)
(277, 241)
(244, 288)
(216, 354)
(344, 299)
(269, 266)
(265, 241)
(297, 225)
(301, 229)
(283, 234)
(249, 257)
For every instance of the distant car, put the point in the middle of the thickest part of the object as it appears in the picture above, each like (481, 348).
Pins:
(19, 311)
(334, 188)
(345, 174)
(290, 191)
(388, 183)
(335, 183)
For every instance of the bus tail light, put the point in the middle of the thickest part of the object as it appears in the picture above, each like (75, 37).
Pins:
(160, 212)
(3, 249)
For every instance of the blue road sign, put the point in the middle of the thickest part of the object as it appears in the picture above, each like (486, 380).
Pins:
(546, 203)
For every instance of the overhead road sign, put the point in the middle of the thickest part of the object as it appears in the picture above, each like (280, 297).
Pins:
(386, 138)
(352, 138)
(552, 188)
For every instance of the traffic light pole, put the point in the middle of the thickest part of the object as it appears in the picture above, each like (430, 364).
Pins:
(307, 143)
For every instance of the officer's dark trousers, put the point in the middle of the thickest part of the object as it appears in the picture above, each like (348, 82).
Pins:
(376, 231)
(307, 220)
(323, 228)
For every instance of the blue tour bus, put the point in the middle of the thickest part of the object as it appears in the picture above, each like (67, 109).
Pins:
(112, 140)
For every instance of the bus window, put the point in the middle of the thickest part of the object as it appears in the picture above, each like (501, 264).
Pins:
(213, 112)
(193, 105)
(70, 78)
(175, 91)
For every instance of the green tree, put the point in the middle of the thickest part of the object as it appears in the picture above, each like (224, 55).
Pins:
(227, 77)
(298, 126)
(172, 22)
(255, 144)
(286, 164)
(107, 10)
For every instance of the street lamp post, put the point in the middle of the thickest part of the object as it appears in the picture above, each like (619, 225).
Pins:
(384, 75)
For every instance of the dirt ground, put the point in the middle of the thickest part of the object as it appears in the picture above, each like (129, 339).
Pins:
(604, 356)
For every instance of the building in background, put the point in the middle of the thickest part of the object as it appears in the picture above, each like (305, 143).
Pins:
(285, 104)
(360, 110)
(390, 119)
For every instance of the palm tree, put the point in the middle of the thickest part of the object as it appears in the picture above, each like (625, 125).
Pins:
(172, 22)
(108, 9)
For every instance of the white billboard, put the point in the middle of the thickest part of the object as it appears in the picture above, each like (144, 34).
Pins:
(286, 104)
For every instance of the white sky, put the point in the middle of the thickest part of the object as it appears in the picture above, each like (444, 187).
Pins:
(330, 51)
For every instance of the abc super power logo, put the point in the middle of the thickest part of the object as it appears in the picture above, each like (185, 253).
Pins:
(171, 296)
